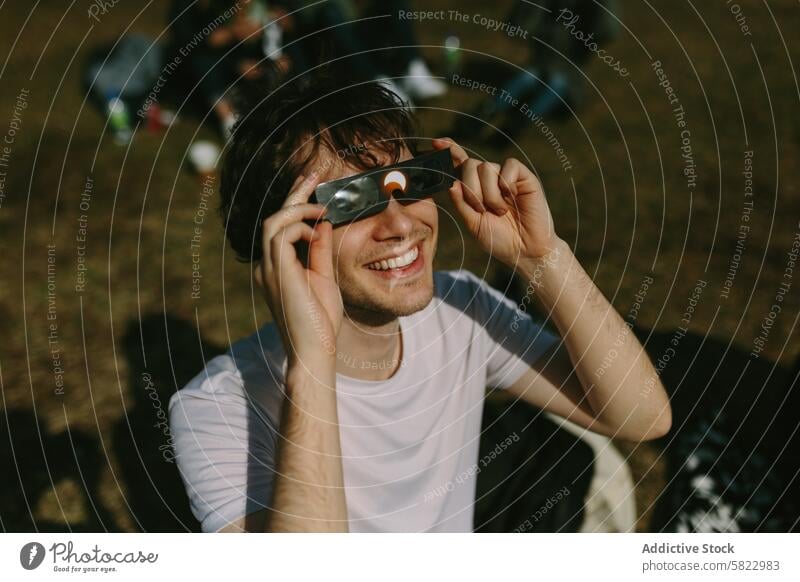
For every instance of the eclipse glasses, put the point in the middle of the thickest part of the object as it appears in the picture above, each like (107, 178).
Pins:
(368, 193)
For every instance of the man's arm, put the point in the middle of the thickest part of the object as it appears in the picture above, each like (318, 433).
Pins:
(308, 493)
(308, 490)
(599, 376)
(308, 486)
(505, 209)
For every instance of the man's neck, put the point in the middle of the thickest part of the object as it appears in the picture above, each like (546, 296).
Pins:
(368, 351)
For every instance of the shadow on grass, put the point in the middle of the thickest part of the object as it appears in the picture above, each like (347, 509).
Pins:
(163, 353)
(735, 419)
(733, 454)
(59, 474)
(36, 464)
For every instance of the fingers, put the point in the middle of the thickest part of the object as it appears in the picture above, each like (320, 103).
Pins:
(472, 185)
(280, 220)
(459, 154)
(289, 221)
(481, 187)
(302, 189)
(516, 178)
(509, 174)
(456, 192)
(281, 247)
(290, 214)
(489, 175)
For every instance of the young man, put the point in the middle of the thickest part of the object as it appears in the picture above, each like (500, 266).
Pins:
(360, 408)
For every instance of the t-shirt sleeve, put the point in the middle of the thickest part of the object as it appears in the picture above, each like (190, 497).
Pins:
(224, 449)
(513, 342)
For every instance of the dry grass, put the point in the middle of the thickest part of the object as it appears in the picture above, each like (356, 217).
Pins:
(621, 218)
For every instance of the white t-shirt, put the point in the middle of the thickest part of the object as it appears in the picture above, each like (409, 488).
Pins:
(409, 443)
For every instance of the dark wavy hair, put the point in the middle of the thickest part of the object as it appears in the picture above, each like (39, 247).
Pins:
(280, 133)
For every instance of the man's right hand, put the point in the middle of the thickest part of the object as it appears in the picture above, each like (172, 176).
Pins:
(305, 301)
(308, 491)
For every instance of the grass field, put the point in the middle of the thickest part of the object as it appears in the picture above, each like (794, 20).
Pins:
(86, 449)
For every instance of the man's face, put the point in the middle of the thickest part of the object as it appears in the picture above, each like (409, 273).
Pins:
(402, 237)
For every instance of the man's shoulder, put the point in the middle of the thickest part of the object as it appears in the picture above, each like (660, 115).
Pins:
(459, 282)
(458, 277)
(460, 289)
(254, 362)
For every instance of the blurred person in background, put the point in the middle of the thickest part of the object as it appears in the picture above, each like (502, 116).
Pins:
(562, 35)
(366, 39)
(222, 42)
(371, 42)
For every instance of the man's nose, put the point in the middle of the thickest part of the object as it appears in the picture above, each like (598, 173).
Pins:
(394, 221)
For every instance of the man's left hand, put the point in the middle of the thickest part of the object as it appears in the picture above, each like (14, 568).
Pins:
(504, 207)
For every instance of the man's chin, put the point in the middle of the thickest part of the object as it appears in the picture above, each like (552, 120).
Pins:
(397, 300)
(414, 304)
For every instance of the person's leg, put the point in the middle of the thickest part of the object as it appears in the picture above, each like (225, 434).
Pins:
(533, 476)
(396, 47)
(211, 77)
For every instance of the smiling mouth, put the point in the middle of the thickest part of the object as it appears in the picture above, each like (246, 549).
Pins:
(396, 262)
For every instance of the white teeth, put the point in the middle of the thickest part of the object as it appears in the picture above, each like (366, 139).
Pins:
(396, 262)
